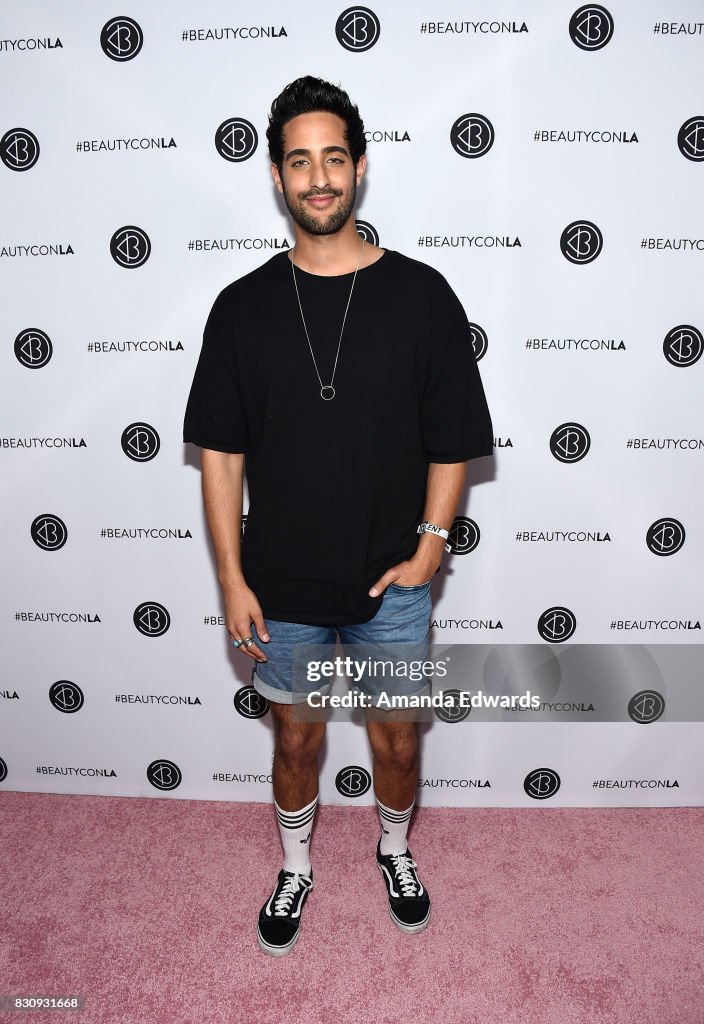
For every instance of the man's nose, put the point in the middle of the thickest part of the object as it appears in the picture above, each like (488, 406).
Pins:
(319, 174)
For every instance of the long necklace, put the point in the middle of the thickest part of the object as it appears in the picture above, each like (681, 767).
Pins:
(327, 391)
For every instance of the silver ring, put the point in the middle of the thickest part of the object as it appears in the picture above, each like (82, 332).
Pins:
(247, 642)
(236, 643)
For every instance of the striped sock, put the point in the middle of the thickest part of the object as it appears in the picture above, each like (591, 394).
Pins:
(295, 828)
(394, 829)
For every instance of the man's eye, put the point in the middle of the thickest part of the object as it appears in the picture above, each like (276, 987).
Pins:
(297, 163)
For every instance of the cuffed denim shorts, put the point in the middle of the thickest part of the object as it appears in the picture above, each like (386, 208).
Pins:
(399, 628)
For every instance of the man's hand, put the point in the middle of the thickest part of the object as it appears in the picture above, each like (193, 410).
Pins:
(241, 610)
(419, 569)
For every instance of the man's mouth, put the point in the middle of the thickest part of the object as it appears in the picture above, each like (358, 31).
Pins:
(321, 201)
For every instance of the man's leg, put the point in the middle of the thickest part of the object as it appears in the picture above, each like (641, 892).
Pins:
(399, 630)
(295, 781)
(395, 763)
(295, 778)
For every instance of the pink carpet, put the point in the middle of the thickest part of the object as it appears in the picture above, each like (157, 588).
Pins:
(147, 907)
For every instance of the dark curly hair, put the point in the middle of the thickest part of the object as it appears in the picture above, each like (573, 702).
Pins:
(309, 95)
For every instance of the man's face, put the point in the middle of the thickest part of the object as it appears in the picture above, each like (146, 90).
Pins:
(318, 179)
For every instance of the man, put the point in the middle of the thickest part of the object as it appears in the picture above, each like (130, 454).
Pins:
(341, 377)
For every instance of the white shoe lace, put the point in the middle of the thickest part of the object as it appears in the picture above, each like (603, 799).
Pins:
(402, 868)
(282, 903)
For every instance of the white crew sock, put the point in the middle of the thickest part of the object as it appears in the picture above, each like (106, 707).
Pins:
(394, 829)
(295, 828)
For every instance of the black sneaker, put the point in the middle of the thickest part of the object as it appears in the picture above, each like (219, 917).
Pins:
(280, 917)
(409, 902)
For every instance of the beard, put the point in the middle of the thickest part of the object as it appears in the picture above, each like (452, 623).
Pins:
(314, 225)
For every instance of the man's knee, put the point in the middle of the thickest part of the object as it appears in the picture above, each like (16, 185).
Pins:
(395, 743)
(295, 741)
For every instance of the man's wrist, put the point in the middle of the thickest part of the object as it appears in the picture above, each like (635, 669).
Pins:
(431, 529)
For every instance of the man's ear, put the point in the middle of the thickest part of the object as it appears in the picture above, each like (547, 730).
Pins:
(361, 168)
(277, 178)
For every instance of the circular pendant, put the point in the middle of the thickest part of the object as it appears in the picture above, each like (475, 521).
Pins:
(327, 392)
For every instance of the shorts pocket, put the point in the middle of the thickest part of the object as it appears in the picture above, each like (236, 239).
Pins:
(415, 586)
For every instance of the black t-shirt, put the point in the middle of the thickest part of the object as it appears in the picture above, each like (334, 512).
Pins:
(336, 488)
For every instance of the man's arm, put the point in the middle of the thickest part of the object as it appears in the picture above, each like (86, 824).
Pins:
(222, 476)
(442, 495)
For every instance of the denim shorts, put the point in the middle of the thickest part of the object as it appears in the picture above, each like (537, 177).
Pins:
(400, 628)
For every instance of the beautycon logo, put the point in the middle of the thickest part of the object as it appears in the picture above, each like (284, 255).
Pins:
(557, 624)
(646, 706)
(690, 138)
(49, 532)
(151, 619)
(472, 135)
(236, 139)
(665, 536)
(581, 242)
(591, 27)
(19, 149)
(121, 39)
(367, 231)
(163, 774)
(357, 29)
(140, 442)
(570, 442)
(683, 345)
(66, 696)
(33, 348)
(130, 247)
(353, 781)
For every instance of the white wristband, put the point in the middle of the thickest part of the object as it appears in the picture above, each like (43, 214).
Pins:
(438, 530)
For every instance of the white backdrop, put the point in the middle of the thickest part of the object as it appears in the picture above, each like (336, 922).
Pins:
(564, 207)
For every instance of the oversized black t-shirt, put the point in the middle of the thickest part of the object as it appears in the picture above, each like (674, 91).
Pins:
(336, 488)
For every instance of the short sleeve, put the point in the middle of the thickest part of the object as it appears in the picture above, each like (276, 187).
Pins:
(456, 422)
(215, 415)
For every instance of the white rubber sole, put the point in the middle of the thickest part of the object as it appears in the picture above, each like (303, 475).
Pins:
(276, 950)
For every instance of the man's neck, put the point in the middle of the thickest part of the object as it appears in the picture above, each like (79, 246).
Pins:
(332, 255)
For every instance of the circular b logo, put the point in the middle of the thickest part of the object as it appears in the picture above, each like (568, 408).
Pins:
(3, 770)
(690, 138)
(472, 135)
(457, 713)
(121, 39)
(581, 242)
(463, 535)
(164, 774)
(66, 696)
(570, 442)
(33, 348)
(130, 247)
(151, 619)
(19, 149)
(357, 29)
(591, 27)
(541, 783)
(367, 231)
(683, 345)
(49, 532)
(140, 442)
(480, 342)
(557, 625)
(249, 703)
(646, 706)
(353, 781)
(665, 536)
(236, 139)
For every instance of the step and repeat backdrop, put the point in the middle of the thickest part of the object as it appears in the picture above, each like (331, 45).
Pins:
(548, 159)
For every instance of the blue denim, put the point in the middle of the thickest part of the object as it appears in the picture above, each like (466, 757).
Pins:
(403, 620)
